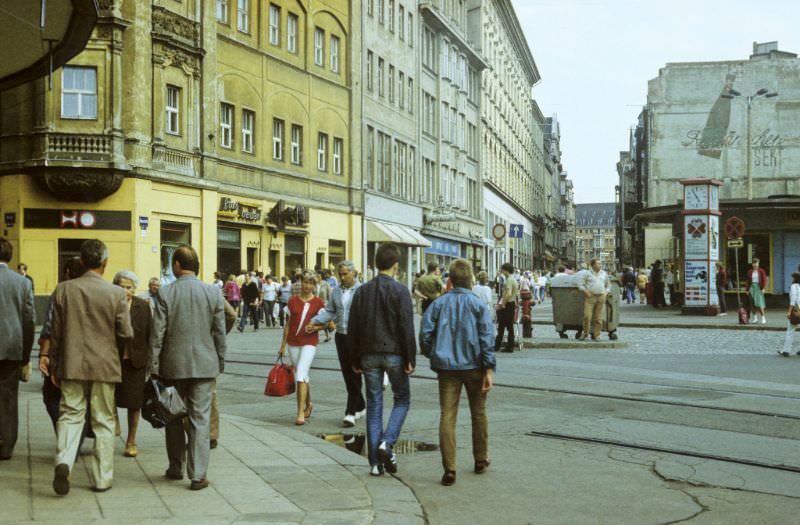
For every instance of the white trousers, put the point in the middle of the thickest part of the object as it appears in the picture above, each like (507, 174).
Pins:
(70, 426)
(790, 330)
(301, 357)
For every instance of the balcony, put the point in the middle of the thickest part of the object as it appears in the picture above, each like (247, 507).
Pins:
(78, 147)
(173, 160)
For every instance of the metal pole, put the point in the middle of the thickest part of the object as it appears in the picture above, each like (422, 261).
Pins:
(738, 288)
(749, 147)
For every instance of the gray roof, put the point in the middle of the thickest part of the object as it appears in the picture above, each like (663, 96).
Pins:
(599, 215)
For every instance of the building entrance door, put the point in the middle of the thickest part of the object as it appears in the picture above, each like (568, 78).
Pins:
(67, 249)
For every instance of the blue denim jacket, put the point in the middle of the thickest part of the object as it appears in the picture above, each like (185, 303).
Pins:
(457, 332)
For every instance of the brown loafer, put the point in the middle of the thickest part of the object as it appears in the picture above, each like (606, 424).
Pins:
(481, 465)
(199, 485)
(449, 478)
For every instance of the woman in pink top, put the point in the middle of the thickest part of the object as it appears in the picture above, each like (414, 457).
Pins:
(232, 292)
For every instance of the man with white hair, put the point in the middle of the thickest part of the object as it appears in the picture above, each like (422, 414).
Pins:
(89, 316)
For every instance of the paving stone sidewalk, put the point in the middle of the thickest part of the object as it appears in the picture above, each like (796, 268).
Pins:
(260, 473)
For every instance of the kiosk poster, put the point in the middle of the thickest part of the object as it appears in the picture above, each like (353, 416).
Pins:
(696, 283)
(696, 235)
(713, 232)
(713, 298)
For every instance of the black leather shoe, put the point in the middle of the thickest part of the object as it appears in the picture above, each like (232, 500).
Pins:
(171, 474)
(449, 478)
(61, 479)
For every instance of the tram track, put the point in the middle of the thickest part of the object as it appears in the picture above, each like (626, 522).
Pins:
(615, 397)
(664, 450)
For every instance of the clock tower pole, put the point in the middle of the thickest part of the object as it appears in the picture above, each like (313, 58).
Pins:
(700, 246)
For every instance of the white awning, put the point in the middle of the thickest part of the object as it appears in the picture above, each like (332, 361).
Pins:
(378, 231)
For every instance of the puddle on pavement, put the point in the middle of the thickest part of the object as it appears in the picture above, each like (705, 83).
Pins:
(358, 443)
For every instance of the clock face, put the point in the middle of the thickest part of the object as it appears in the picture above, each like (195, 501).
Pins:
(714, 200)
(696, 198)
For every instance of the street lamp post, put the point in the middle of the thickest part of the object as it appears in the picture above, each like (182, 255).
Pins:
(763, 92)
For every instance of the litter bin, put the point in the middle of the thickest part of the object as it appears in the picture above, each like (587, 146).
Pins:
(568, 307)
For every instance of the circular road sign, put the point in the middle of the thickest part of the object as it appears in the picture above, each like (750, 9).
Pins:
(734, 228)
(499, 231)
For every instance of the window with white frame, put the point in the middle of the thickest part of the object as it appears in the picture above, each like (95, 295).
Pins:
(291, 32)
(319, 47)
(226, 125)
(297, 144)
(369, 7)
(391, 16)
(410, 30)
(173, 110)
(445, 58)
(322, 151)
(411, 95)
(243, 16)
(401, 23)
(380, 11)
(391, 84)
(274, 25)
(335, 54)
(445, 126)
(401, 90)
(222, 11)
(369, 70)
(79, 92)
(248, 125)
(380, 77)
(338, 146)
(277, 139)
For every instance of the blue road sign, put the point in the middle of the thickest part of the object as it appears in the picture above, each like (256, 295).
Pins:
(515, 231)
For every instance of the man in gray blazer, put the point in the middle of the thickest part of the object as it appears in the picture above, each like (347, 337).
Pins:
(189, 353)
(16, 340)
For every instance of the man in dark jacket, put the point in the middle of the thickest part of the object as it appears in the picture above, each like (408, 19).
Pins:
(381, 338)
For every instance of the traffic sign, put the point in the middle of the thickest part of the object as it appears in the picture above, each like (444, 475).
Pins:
(515, 231)
(499, 231)
(736, 243)
(734, 228)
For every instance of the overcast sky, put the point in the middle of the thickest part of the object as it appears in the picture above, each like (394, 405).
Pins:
(596, 56)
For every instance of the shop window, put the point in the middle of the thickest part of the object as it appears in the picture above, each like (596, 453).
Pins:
(229, 251)
(173, 235)
(337, 252)
(294, 254)
(756, 245)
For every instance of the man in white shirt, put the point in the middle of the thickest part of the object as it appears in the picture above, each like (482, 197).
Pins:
(595, 285)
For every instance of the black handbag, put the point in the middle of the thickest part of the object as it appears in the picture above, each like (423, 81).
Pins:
(162, 404)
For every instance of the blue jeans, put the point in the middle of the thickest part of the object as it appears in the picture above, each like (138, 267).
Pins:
(374, 365)
(251, 311)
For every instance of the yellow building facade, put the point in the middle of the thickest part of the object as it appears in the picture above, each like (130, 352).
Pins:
(224, 125)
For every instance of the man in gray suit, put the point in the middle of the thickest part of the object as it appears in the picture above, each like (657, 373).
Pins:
(189, 352)
(16, 340)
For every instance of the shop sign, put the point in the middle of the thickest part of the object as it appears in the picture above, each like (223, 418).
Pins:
(77, 219)
(793, 218)
(442, 247)
(246, 212)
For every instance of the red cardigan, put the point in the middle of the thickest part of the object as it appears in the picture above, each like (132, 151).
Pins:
(762, 278)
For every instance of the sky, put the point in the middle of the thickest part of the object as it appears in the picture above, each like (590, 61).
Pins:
(596, 56)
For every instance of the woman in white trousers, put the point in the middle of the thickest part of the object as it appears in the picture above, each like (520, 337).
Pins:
(794, 301)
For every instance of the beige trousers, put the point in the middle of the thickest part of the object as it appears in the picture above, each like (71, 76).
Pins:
(593, 313)
(70, 426)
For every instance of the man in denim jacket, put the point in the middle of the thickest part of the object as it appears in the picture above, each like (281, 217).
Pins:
(457, 335)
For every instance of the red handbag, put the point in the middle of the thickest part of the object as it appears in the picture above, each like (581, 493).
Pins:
(280, 381)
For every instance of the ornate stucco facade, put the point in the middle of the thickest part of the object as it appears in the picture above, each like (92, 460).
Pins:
(222, 124)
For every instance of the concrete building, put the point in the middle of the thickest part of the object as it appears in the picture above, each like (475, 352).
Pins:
(555, 197)
(735, 121)
(450, 69)
(226, 125)
(595, 233)
(567, 253)
(388, 94)
(511, 138)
